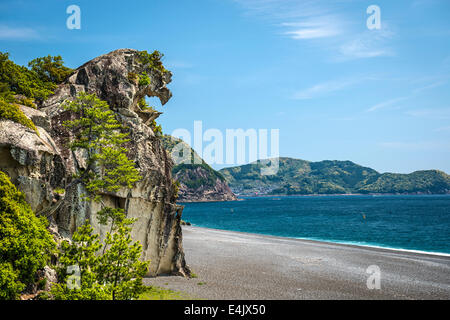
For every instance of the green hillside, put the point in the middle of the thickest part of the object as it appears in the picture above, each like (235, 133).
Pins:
(197, 181)
(331, 177)
(186, 170)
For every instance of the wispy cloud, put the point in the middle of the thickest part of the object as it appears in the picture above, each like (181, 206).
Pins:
(368, 44)
(439, 114)
(324, 88)
(431, 86)
(313, 28)
(17, 33)
(328, 23)
(387, 103)
(415, 92)
(361, 48)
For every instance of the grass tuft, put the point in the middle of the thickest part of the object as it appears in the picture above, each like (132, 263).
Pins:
(157, 293)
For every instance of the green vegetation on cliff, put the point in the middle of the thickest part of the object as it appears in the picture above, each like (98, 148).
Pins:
(195, 179)
(110, 269)
(21, 85)
(152, 60)
(50, 69)
(188, 172)
(331, 177)
(11, 111)
(429, 181)
(37, 84)
(110, 266)
(25, 243)
(98, 133)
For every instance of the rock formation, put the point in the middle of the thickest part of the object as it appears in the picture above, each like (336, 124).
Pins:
(197, 181)
(199, 184)
(41, 165)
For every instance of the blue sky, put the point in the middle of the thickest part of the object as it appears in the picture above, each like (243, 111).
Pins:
(334, 88)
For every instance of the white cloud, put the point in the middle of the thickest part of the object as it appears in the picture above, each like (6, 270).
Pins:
(323, 88)
(433, 82)
(440, 114)
(328, 23)
(368, 44)
(313, 28)
(387, 103)
(9, 33)
(431, 86)
(311, 33)
(357, 49)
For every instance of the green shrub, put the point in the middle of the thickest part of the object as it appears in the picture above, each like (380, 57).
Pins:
(143, 104)
(20, 80)
(25, 243)
(25, 101)
(157, 129)
(110, 269)
(144, 79)
(156, 293)
(11, 111)
(81, 252)
(10, 286)
(176, 189)
(35, 84)
(50, 69)
(59, 191)
(152, 60)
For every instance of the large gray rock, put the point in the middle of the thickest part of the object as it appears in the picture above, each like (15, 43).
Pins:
(33, 163)
(39, 164)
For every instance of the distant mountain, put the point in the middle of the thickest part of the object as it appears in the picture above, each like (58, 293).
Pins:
(297, 176)
(197, 182)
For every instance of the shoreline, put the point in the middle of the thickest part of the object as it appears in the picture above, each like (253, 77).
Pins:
(240, 266)
(336, 242)
(341, 195)
(242, 197)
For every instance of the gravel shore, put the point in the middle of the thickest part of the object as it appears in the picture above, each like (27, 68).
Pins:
(234, 265)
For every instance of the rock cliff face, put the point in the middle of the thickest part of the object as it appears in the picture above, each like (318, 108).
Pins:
(41, 164)
(198, 182)
(210, 188)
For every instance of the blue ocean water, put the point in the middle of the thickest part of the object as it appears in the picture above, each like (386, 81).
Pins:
(413, 222)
